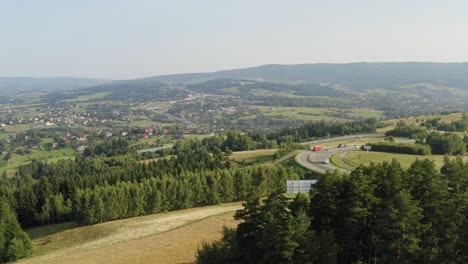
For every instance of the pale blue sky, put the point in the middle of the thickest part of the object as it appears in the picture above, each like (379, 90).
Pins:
(137, 38)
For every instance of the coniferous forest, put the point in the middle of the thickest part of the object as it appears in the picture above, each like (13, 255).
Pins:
(93, 189)
(97, 189)
(377, 214)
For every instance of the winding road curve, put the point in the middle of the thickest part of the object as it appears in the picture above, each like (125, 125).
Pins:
(313, 160)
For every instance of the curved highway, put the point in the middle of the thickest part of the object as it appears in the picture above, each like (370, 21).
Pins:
(313, 160)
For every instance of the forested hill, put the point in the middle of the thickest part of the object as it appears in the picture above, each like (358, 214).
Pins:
(386, 75)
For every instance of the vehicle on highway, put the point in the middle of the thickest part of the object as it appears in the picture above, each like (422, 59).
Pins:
(316, 148)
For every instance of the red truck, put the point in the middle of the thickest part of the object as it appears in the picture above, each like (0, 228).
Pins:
(317, 148)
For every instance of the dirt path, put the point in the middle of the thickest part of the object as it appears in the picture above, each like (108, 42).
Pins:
(165, 238)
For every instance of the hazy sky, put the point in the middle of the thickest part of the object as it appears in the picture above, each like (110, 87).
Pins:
(136, 38)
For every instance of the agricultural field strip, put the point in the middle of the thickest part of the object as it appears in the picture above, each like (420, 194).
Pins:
(130, 229)
(333, 139)
(314, 113)
(252, 154)
(154, 149)
(338, 161)
(356, 158)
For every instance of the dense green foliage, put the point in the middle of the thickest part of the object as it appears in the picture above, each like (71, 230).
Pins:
(236, 141)
(402, 130)
(439, 142)
(377, 214)
(413, 149)
(14, 242)
(447, 143)
(114, 147)
(92, 189)
(321, 129)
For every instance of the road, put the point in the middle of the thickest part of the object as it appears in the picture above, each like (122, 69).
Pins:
(313, 160)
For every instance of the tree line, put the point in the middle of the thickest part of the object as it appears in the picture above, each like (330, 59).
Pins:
(392, 147)
(442, 143)
(237, 141)
(403, 130)
(377, 214)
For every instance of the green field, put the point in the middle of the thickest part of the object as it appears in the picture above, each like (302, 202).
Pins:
(350, 142)
(50, 156)
(253, 156)
(339, 163)
(448, 118)
(167, 140)
(315, 113)
(163, 106)
(87, 97)
(356, 158)
(138, 121)
(196, 136)
(391, 123)
(18, 128)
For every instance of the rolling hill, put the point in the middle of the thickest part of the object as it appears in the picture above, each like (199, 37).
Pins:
(10, 85)
(362, 75)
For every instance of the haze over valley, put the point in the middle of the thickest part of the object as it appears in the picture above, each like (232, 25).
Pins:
(234, 132)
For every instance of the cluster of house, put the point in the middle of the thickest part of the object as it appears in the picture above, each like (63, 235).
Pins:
(6, 140)
(70, 120)
(52, 115)
(82, 139)
(149, 132)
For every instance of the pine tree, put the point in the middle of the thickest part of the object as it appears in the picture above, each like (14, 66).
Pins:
(356, 208)
(323, 201)
(427, 187)
(277, 240)
(249, 232)
(14, 242)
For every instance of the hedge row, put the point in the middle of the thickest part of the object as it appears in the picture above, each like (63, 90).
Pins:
(414, 149)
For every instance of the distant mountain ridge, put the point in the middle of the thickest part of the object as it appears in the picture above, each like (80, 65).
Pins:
(360, 75)
(10, 85)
